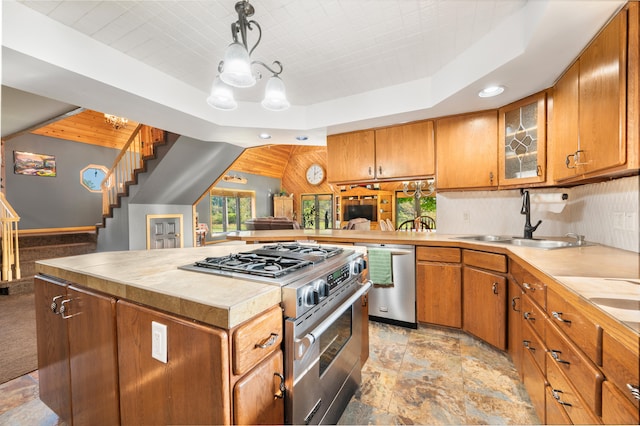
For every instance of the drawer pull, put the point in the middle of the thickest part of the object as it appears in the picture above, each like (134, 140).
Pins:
(494, 287)
(529, 316)
(527, 344)
(635, 390)
(513, 304)
(64, 308)
(54, 304)
(268, 342)
(282, 389)
(554, 355)
(529, 287)
(555, 393)
(558, 316)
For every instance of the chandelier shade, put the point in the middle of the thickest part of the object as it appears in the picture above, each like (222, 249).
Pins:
(221, 96)
(419, 188)
(236, 69)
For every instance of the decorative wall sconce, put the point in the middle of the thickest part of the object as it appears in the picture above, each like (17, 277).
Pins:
(234, 179)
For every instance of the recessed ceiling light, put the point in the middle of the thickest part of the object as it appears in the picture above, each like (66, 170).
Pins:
(302, 138)
(264, 136)
(490, 91)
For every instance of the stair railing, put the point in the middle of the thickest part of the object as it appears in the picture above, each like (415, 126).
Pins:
(9, 229)
(131, 158)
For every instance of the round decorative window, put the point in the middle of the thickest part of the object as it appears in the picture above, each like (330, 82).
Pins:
(92, 176)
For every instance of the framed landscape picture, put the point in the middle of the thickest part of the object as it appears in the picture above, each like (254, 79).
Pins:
(28, 163)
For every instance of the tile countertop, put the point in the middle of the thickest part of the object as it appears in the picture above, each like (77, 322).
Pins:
(597, 273)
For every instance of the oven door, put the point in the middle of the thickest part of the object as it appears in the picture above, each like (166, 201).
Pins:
(322, 366)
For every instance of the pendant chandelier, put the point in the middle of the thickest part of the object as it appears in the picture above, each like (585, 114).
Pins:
(235, 70)
(115, 121)
(419, 188)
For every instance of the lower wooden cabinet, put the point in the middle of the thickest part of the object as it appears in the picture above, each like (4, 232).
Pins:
(616, 408)
(257, 398)
(554, 413)
(77, 358)
(439, 286)
(535, 384)
(485, 306)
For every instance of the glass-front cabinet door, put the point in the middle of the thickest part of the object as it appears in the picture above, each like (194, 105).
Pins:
(522, 141)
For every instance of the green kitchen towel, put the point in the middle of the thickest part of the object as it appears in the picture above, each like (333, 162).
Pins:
(380, 269)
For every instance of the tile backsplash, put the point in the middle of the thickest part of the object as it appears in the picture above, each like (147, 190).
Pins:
(606, 213)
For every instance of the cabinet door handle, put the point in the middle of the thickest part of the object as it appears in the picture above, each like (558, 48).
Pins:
(54, 304)
(556, 396)
(513, 304)
(370, 174)
(491, 178)
(539, 170)
(558, 316)
(64, 308)
(556, 357)
(529, 287)
(635, 390)
(529, 316)
(380, 170)
(270, 341)
(281, 388)
(494, 288)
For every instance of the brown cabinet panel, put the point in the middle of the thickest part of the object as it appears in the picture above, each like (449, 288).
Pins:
(535, 383)
(351, 157)
(255, 339)
(533, 316)
(581, 372)
(405, 151)
(466, 151)
(191, 388)
(514, 325)
(481, 259)
(93, 342)
(616, 408)
(283, 207)
(484, 309)
(439, 254)
(580, 329)
(621, 366)
(53, 348)
(564, 127)
(533, 344)
(533, 287)
(439, 293)
(254, 396)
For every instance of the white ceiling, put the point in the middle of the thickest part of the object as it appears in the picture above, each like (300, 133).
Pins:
(348, 64)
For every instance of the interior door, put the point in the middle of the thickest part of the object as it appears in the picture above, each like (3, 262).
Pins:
(164, 231)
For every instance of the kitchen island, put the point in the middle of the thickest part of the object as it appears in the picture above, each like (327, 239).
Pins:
(597, 287)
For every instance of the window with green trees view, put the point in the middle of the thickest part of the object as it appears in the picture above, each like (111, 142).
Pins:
(408, 208)
(230, 209)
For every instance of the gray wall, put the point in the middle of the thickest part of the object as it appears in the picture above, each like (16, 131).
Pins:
(61, 201)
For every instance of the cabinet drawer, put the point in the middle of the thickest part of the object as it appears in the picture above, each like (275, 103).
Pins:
(532, 286)
(555, 414)
(582, 373)
(255, 339)
(484, 260)
(534, 316)
(583, 332)
(566, 396)
(620, 366)
(533, 344)
(439, 254)
(616, 408)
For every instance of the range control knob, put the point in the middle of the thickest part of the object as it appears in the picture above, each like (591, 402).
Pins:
(310, 296)
(322, 288)
(358, 266)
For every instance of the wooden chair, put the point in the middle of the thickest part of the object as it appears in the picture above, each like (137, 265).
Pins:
(426, 222)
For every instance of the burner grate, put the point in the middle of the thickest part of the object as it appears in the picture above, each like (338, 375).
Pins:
(254, 264)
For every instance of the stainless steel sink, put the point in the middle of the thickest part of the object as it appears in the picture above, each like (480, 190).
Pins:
(546, 244)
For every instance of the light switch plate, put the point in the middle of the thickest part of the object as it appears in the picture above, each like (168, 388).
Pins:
(159, 341)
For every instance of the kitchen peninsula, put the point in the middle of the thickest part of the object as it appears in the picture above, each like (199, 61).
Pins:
(584, 281)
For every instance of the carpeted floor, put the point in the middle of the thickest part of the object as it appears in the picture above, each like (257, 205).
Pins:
(18, 350)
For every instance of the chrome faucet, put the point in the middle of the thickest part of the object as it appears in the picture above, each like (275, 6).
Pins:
(579, 238)
(526, 210)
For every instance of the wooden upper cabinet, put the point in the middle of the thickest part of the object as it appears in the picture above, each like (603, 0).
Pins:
(523, 141)
(466, 148)
(351, 157)
(595, 107)
(392, 153)
(405, 151)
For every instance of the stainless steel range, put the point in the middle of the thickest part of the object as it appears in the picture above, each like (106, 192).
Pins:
(322, 288)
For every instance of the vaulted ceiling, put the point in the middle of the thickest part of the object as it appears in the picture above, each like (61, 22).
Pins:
(348, 64)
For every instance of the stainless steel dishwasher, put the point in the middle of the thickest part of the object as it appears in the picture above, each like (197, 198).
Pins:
(395, 303)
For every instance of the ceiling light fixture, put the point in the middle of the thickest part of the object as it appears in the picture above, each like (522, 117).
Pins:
(490, 91)
(115, 121)
(235, 69)
(419, 188)
(264, 136)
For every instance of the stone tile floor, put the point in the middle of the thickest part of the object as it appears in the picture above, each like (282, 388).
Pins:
(426, 376)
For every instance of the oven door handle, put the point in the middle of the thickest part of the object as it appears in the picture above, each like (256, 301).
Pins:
(302, 345)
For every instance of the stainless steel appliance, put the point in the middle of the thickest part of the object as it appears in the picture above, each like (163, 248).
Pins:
(321, 291)
(395, 303)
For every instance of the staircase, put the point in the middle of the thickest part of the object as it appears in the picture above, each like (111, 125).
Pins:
(40, 246)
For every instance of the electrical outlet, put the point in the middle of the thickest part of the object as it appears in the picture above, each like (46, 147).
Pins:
(159, 341)
(618, 220)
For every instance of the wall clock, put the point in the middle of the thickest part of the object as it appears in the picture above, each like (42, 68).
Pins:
(315, 174)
